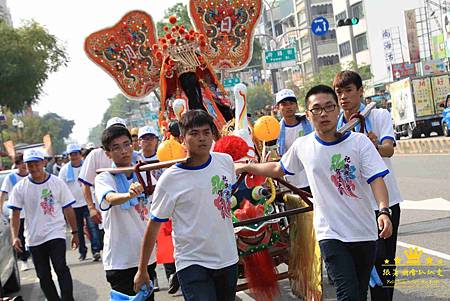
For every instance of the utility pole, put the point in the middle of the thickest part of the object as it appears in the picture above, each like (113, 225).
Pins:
(274, 37)
(352, 37)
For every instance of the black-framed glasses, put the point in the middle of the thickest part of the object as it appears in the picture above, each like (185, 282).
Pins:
(328, 108)
(119, 148)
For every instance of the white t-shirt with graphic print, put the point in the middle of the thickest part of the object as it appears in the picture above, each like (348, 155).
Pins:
(381, 123)
(124, 228)
(338, 175)
(199, 202)
(43, 204)
(7, 187)
(74, 186)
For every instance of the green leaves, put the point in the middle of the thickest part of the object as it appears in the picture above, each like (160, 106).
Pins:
(217, 184)
(27, 56)
(336, 162)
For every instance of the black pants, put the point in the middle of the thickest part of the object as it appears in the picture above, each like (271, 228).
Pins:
(25, 254)
(349, 264)
(386, 249)
(82, 216)
(170, 269)
(54, 250)
(123, 280)
(202, 284)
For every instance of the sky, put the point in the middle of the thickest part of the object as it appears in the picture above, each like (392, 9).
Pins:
(81, 90)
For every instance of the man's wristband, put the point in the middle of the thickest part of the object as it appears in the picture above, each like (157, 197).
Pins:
(386, 211)
(74, 232)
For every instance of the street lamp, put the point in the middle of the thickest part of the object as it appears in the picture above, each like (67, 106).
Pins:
(18, 125)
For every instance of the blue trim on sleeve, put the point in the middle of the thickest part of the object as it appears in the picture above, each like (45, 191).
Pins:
(103, 199)
(157, 219)
(85, 182)
(378, 175)
(286, 172)
(70, 204)
(389, 138)
(4, 191)
(13, 207)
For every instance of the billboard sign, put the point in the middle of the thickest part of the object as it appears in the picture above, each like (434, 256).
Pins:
(402, 103)
(403, 70)
(423, 97)
(411, 35)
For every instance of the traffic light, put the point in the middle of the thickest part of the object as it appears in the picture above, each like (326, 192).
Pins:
(347, 22)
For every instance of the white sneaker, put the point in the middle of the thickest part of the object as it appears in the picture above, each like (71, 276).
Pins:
(24, 266)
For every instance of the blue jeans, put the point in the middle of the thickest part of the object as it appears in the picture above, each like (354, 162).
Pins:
(202, 284)
(54, 250)
(82, 214)
(349, 265)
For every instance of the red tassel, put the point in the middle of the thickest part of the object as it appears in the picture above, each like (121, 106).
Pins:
(261, 275)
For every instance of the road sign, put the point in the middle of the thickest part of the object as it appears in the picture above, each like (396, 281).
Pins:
(281, 58)
(231, 82)
(320, 26)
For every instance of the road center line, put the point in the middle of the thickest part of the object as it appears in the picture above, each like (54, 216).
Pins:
(425, 250)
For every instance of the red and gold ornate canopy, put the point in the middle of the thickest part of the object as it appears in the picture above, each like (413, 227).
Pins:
(228, 26)
(125, 52)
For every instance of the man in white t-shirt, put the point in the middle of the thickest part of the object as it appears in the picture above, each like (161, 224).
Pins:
(338, 167)
(95, 160)
(196, 195)
(292, 126)
(148, 142)
(69, 174)
(379, 128)
(7, 186)
(125, 213)
(46, 201)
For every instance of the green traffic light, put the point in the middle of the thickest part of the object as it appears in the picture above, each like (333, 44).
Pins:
(355, 21)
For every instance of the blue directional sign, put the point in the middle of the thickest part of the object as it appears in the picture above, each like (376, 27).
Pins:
(320, 26)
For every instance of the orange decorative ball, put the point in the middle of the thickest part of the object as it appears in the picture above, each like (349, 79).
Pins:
(170, 150)
(266, 128)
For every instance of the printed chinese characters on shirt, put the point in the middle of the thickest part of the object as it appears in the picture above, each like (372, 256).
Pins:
(222, 189)
(343, 175)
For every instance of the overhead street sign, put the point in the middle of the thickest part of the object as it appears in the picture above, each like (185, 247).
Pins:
(231, 82)
(320, 26)
(281, 58)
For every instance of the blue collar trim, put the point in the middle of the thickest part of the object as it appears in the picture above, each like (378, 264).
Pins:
(204, 165)
(39, 183)
(345, 136)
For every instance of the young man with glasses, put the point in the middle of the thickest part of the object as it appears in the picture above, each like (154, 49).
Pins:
(378, 127)
(338, 169)
(124, 212)
(148, 142)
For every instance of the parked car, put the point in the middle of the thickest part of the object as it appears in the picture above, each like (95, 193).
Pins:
(446, 116)
(9, 270)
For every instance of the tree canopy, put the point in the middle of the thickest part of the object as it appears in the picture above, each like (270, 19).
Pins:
(28, 54)
(36, 127)
(119, 106)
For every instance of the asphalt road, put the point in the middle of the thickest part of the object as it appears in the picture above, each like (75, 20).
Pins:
(425, 222)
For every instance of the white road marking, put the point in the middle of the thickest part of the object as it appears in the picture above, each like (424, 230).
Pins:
(439, 204)
(425, 250)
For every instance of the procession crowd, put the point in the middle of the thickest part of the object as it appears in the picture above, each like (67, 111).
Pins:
(185, 223)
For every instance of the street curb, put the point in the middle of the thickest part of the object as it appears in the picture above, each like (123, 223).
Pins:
(438, 145)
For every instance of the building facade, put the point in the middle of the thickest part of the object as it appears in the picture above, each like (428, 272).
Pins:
(315, 52)
(4, 13)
